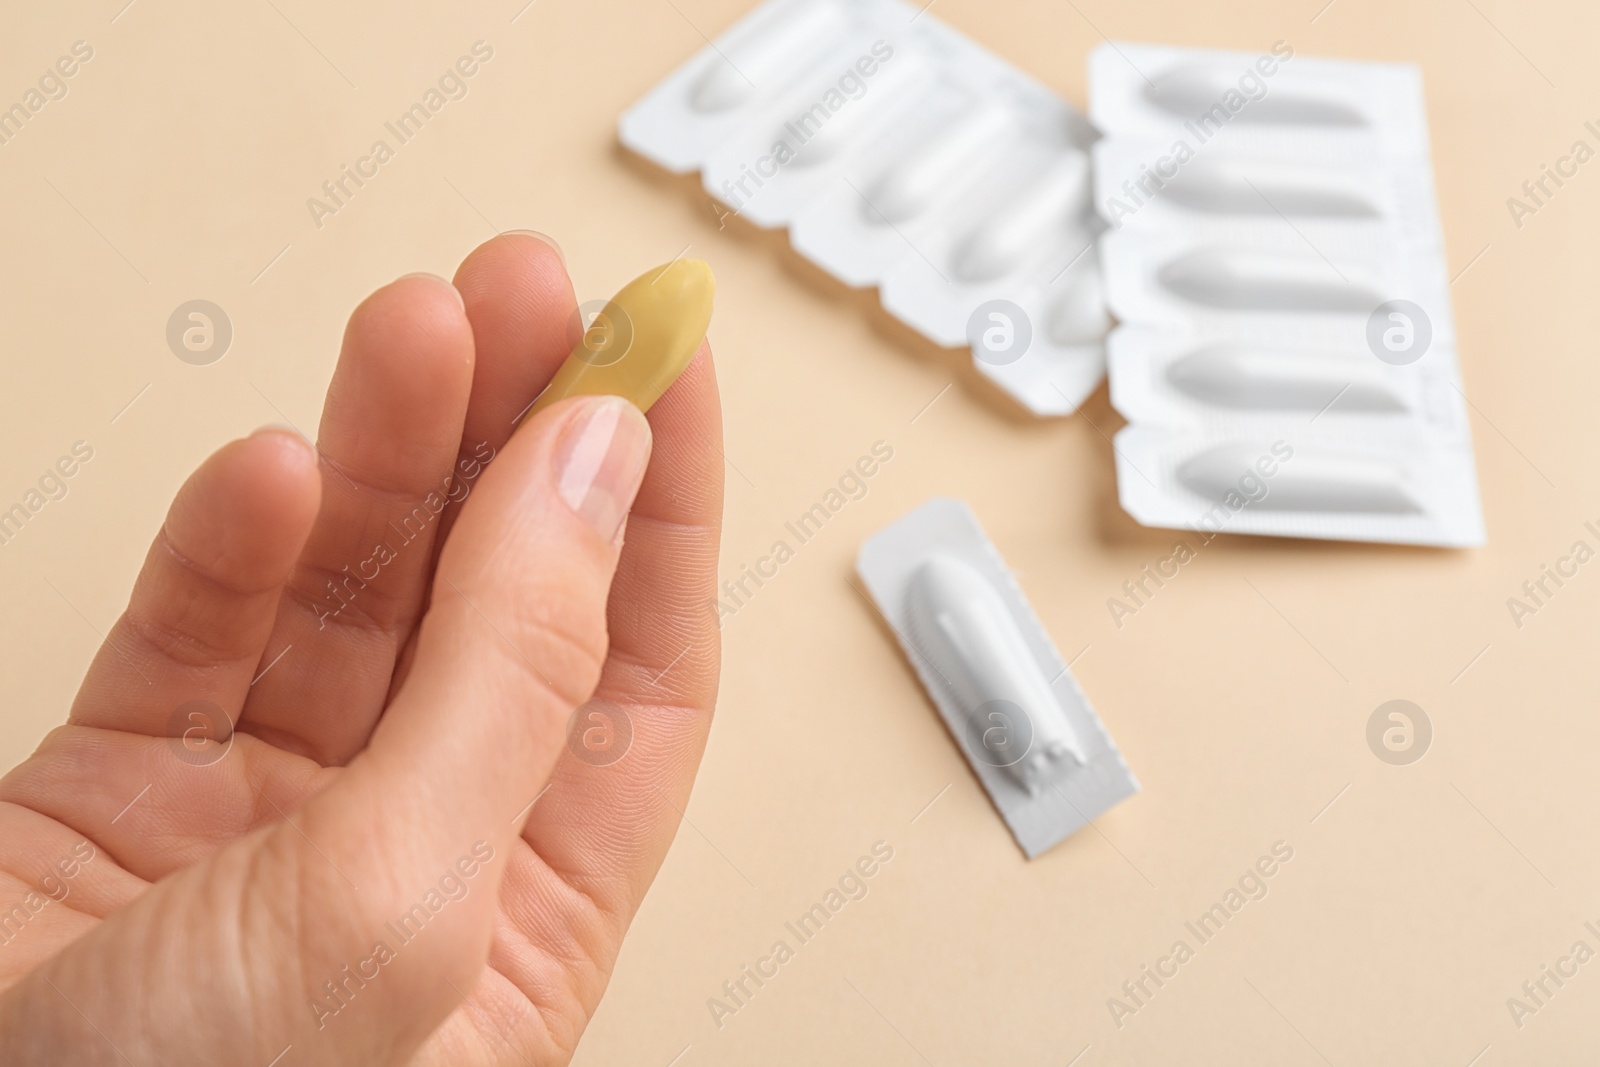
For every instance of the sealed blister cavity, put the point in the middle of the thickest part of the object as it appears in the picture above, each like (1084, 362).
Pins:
(1400, 488)
(1330, 481)
(1275, 261)
(710, 97)
(768, 187)
(1233, 186)
(1006, 242)
(901, 155)
(898, 189)
(929, 168)
(1006, 696)
(1243, 377)
(1195, 87)
(764, 52)
(958, 620)
(1008, 237)
(1259, 99)
(1261, 276)
(1261, 280)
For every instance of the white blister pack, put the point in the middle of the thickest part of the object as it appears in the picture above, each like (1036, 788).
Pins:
(1003, 690)
(900, 154)
(1287, 354)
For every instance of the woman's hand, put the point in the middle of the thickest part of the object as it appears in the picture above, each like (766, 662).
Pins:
(323, 797)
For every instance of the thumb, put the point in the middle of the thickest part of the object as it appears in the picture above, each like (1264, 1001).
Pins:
(513, 641)
(515, 636)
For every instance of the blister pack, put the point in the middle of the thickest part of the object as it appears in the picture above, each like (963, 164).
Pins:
(1003, 690)
(1287, 355)
(900, 154)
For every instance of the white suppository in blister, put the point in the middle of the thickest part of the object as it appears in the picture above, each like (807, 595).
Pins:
(1195, 378)
(1275, 259)
(899, 154)
(1000, 685)
(1401, 488)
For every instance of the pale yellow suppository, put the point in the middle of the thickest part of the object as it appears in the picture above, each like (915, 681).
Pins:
(641, 340)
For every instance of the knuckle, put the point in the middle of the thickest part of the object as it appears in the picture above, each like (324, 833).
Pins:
(183, 638)
(554, 647)
(328, 595)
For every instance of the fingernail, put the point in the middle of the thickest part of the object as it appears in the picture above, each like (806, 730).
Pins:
(442, 281)
(600, 461)
(536, 235)
(283, 429)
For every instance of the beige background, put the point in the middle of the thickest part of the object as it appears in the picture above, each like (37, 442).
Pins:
(179, 166)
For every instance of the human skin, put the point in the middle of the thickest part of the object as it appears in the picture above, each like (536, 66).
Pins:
(395, 743)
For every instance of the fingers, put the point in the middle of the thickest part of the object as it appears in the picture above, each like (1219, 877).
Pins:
(390, 432)
(604, 825)
(371, 909)
(520, 303)
(201, 611)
